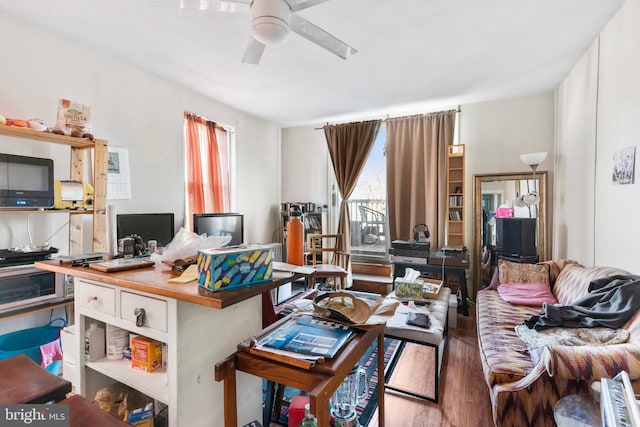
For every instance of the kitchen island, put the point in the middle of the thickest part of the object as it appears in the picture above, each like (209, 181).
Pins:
(198, 327)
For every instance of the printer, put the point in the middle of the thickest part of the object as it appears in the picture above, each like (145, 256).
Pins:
(72, 195)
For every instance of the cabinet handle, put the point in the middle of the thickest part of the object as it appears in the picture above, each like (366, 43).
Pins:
(93, 301)
(139, 313)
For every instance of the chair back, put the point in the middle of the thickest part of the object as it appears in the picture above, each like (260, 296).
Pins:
(322, 248)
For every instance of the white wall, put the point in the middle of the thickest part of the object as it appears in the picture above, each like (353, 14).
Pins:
(495, 133)
(573, 216)
(305, 165)
(615, 231)
(132, 109)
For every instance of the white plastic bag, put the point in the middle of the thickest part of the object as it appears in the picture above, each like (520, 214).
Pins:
(186, 244)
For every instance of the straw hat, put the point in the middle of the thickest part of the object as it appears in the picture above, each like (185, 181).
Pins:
(341, 306)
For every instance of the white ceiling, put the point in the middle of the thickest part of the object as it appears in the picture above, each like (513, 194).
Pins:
(413, 55)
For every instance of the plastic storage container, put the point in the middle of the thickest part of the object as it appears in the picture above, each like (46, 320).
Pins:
(28, 341)
(94, 343)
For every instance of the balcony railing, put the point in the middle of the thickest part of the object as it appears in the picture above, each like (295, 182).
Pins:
(369, 227)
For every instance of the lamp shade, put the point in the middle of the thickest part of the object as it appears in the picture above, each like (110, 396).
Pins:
(519, 202)
(531, 198)
(533, 158)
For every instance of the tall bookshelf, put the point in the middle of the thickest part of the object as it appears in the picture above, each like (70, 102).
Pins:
(455, 196)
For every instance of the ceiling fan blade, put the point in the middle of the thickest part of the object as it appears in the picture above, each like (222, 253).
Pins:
(253, 52)
(206, 5)
(297, 5)
(320, 37)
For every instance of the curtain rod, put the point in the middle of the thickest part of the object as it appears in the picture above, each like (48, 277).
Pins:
(458, 110)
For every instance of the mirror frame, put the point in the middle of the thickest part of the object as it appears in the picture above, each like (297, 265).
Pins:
(541, 188)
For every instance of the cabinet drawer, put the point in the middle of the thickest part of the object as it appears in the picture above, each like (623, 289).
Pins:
(155, 310)
(96, 297)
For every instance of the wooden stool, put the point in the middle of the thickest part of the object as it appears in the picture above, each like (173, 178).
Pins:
(24, 381)
(83, 413)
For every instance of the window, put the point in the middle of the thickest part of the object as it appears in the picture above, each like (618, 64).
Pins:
(209, 167)
(368, 206)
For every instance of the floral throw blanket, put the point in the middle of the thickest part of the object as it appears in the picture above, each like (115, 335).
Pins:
(537, 340)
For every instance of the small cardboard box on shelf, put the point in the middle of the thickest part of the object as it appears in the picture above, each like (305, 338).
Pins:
(146, 354)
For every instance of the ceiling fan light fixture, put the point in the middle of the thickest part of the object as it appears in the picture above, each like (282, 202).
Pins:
(271, 21)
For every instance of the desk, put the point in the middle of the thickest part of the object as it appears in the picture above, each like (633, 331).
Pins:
(320, 381)
(434, 265)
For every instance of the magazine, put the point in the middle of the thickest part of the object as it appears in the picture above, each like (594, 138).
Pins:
(307, 337)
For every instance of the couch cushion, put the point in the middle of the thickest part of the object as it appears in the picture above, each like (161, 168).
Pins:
(515, 272)
(527, 293)
(573, 281)
(505, 357)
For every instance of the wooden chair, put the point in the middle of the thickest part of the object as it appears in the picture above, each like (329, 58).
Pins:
(326, 255)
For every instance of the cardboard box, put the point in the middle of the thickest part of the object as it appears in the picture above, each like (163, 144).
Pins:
(146, 354)
(142, 417)
(418, 289)
(231, 268)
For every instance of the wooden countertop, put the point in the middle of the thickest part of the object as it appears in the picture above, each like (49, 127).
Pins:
(155, 280)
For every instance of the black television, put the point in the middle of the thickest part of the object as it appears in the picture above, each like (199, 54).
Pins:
(220, 224)
(149, 226)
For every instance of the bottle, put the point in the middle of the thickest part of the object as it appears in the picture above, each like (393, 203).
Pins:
(94, 343)
(309, 419)
(295, 240)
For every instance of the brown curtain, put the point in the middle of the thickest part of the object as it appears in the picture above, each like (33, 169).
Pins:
(349, 146)
(207, 183)
(416, 173)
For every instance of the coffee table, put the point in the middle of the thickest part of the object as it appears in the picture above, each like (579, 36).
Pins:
(436, 339)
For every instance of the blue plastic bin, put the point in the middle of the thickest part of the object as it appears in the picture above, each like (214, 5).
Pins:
(28, 341)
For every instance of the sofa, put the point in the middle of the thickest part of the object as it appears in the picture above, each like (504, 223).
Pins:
(524, 389)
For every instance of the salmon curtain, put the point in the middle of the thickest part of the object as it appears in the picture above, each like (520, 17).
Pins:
(349, 146)
(207, 169)
(416, 173)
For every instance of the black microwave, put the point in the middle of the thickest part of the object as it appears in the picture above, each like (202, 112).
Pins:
(24, 286)
(26, 182)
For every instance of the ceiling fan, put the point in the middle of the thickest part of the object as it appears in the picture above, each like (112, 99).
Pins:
(272, 22)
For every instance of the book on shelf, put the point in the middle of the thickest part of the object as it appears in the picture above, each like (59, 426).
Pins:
(302, 340)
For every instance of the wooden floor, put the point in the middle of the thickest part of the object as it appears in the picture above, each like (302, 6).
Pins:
(464, 396)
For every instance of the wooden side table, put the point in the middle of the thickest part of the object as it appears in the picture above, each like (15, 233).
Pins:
(320, 382)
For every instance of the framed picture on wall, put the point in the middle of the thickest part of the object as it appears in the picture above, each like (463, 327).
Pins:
(623, 165)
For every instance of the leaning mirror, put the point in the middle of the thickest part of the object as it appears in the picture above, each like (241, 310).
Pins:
(495, 191)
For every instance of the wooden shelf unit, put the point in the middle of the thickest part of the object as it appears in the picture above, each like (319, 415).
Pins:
(78, 148)
(455, 196)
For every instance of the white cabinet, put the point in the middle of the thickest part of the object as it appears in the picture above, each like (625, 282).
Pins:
(197, 338)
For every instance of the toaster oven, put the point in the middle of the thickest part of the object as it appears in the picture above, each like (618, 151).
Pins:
(23, 286)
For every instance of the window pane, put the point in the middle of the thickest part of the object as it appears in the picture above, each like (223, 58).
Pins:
(368, 205)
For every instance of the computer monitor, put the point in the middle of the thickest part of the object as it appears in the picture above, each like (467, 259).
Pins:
(220, 224)
(149, 226)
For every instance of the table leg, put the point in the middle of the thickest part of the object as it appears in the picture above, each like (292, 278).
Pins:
(319, 405)
(226, 371)
(381, 379)
(463, 291)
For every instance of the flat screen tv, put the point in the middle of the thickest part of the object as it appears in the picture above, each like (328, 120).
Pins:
(149, 226)
(220, 224)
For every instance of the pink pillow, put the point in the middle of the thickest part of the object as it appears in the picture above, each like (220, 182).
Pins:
(526, 293)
